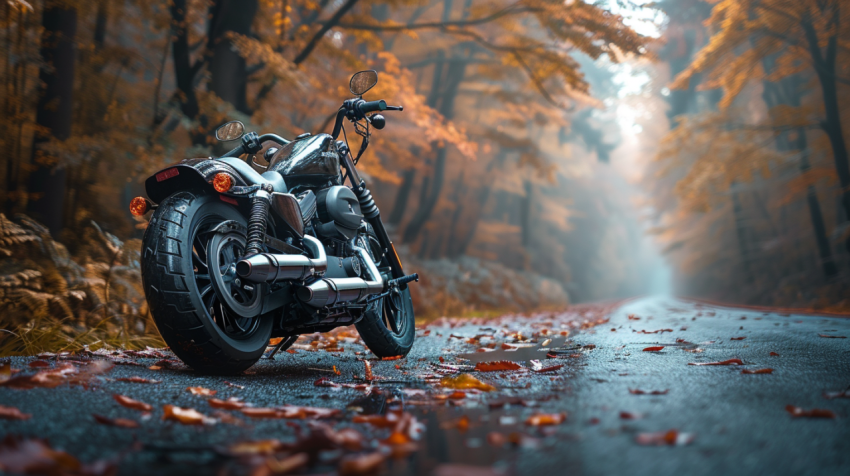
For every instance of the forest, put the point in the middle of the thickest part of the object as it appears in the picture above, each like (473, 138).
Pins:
(550, 151)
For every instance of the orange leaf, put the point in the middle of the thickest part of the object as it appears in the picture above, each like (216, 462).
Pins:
(670, 437)
(132, 404)
(204, 392)
(137, 380)
(229, 404)
(119, 422)
(545, 419)
(464, 381)
(653, 349)
(186, 416)
(813, 413)
(502, 365)
(759, 371)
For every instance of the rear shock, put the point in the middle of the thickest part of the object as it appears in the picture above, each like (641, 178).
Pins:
(257, 222)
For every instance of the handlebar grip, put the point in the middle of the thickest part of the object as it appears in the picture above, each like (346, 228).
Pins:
(372, 106)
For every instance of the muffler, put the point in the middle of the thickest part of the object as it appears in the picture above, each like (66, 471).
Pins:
(270, 267)
(330, 291)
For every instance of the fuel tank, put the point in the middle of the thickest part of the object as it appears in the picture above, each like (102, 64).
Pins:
(307, 163)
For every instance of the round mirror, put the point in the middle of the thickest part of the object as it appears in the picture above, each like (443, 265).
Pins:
(230, 131)
(363, 81)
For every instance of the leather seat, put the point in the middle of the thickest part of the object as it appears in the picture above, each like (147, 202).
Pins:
(252, 177)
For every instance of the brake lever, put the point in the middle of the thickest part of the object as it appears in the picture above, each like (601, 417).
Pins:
(395, 108)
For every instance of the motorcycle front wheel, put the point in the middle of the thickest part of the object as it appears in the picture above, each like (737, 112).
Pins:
(183, 263)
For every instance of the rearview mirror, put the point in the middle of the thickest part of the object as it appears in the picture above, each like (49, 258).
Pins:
(362, 82)
(229, 131)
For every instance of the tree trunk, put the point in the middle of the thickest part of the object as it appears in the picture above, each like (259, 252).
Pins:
(55, 108)
(525, 213)
(228, 76)
(183, 72)
(402, 197)
(825, 67)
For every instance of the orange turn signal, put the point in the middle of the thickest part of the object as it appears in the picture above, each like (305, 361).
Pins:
(139, 206)
(222, 182)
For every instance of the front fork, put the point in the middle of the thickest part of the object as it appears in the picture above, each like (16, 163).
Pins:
(373, 216)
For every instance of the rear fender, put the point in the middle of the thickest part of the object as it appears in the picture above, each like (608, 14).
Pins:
(189, 174)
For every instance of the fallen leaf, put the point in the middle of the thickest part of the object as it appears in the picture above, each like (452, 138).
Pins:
(395, 357)
(635, 391)
(137, 380)
(132, 404)
(832, 337)
(325, 382)
(813, 413)
(538, 367)
(759, 371)
(230, 384)
(630, 416)
(119, 422)
(368, 374)
(229, 404)
(262, 412)
(337, 372)
(204, 392)
(464, 381)
(39, 363)
(659, 331)
(774, 354)
(670, 437)
(737, 338)
(34, 456)
(546, 419)
(186, 416)
(841, 394)
(632, 317)
(12, 413)
(653, 349)
(259, 447)
(287, 464)
(725, 362)
(499, 366)
(361, 465)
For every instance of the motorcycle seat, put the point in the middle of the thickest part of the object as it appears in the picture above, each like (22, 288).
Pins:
(252, 177)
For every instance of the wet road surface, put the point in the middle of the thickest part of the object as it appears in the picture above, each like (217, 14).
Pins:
(726, 421)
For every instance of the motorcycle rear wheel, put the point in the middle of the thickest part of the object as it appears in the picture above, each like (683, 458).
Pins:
(200, 330)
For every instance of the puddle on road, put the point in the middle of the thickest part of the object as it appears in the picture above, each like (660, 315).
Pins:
(519, 354)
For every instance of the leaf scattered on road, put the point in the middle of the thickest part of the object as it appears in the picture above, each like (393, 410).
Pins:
(465, 381)
(759, 371)
(653, 349)
(128, 402)
(119, 422)
(12, 413)
(498, 366)
(661, 438)
(546, 419)
(137, 380)
(797, 412)
(186, 416)
(204, 392)
(636, 391)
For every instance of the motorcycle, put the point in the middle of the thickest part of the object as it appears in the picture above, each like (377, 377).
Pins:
(233, 257)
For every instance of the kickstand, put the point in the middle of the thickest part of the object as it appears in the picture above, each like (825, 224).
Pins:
(277, 348)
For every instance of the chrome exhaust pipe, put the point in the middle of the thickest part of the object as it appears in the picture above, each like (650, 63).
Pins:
(330, 291)
(268, 267)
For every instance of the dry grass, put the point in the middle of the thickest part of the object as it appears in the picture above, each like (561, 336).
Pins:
(51, 301)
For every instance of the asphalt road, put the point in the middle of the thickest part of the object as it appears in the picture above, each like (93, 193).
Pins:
(728, 422)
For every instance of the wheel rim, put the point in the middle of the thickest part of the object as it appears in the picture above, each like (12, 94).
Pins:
(393, 312)
(212, 257)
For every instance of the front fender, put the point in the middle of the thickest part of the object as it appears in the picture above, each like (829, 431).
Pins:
(188, 174)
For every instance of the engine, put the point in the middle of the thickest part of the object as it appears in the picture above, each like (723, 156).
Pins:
(338, 210)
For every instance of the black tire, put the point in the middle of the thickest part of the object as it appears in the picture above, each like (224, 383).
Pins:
(191, 325)
(388, 326)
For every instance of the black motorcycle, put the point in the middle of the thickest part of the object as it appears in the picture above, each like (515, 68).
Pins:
(233, 257)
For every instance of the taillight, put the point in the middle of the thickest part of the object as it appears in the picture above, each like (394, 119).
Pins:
(222, 182)
(139, 206)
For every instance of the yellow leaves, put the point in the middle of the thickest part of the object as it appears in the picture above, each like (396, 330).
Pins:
(255, 51)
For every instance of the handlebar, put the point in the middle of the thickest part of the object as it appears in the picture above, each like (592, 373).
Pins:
(372, 106)
(239, 150)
